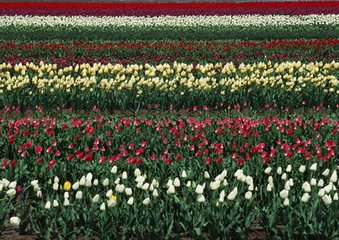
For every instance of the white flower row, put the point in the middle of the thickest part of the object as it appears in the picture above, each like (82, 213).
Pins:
(168, 21)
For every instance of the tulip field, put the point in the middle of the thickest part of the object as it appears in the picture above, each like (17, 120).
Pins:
(145, 120)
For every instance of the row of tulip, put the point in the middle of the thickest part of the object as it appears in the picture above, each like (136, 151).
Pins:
(67, 53)
(109, 86)
(168, 8)
(284, 200)
(169, 27)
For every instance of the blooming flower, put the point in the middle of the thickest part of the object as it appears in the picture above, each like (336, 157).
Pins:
(14, 221)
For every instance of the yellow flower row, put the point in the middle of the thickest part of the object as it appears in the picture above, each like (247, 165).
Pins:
(293, 76)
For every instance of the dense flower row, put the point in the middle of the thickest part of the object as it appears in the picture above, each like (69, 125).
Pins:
(168, 21)
(172, 8)
(148, 83)
(303, 191)
(66, 53)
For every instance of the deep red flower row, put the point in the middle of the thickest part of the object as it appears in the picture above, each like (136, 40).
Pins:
(168, 8)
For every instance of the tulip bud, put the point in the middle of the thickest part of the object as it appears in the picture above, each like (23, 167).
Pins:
(269, 187)
(286, 202)
(146, 201)
(103, 207)
(39, 194)
(66, 202)
(124, 175)
(326, 172)
(206, 175)
(248, 195)
(313, 182)
(11, 192)
(231, 196)
(82, 181)
(55, 203)
(302, 168)
(89, 177)
(155, 193)
(109, 193)
(12, 185)
(66, 195)
(145, 186)
(48, 205)
(283, 194)
(328, 187)
(305, 197)
(201, 198)
(334, 176)
(117, 181)
(306, 187)
(327, 199)
(251, 187)
(225, 183)
(14, 221)
(320, 183)
(313, 167)
(114, 170)
(34, 182)
(183, 174)
(130, 201)
(56, 179)
(95, 182)
(137, 172)
(284, 176)
(105, 182)
(96, 198)
(279, 170)
(289, 168)
(321, 192)
(268, 170)
(78, 195)
(88, 183)
(199, 189)
(128, 191)
(171, 190)
(176, 182)
(140, 179)
(189, 184)
(55, 186)
(215, 185)
(335, 197)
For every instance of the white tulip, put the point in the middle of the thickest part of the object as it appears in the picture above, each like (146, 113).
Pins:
(66, 195)
(1, 187)
(201, 198)
(82, 181)
(89, 177)
(128, 191)
(103, 207)
(117, 181)
(5, 182)
(334, 176)
(140, 179)
(251, 187)
(96, 198)
(326, 172)
(238, 173)
(287, 186)
(146, 201)
(284, 176)
(286, 202)
(171, 190)
(279, 170)
(56, 186)
(169, 183)
(268, 170)
(12, 184)
(48, 205)
(306, 187)
(120, 188)
(189, 184)
(176, 182)
(283, 194)
(66, 202)
(88, 183)
(95, 182)
(270, 179)
(39, 194)
(145, 186)
(111, 203)
(36, 188)
(327, 199)
(75, 186)
(55, 203)
(78, 195)
(114, 170)
(225, 183)
(155, 193)
(231, 196)
(14, 221)
(56, 179)
(206, 175)
(328, 187)
(269, 187)
(109, 193)
(105, 183)
(302, 168)
(183, 174)
(335, 197)
(248, 195)
(137, 172)
(321, 192)
(249, 180)
(320, 183)
(222, 194)
(314, 167)
(11, 192)
(313, 182)
(130, 201)
(199, 189)
(124, 175)
(305, 197)
(290, 182)
(215, 185)
(289, 168)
